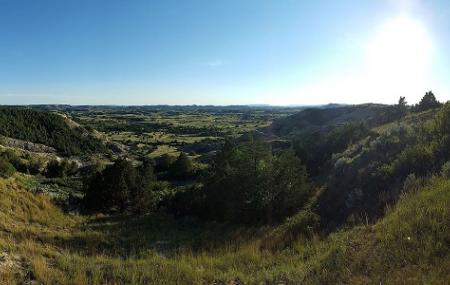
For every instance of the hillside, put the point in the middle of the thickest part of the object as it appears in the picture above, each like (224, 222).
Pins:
(323, 119)
(48, 129)
(40, 243)
(355, 201)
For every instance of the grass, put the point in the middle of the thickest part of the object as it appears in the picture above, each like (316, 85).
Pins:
(164, 137)
(409, 246)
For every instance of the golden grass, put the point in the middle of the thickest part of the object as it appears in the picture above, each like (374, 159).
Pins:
(56, 248)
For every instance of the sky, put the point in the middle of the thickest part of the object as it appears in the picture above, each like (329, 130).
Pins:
(223, 52)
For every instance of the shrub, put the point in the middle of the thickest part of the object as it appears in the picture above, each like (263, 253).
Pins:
(411, 183)
(445, 171)
(304, 222)
(54, 169)
(6, 168)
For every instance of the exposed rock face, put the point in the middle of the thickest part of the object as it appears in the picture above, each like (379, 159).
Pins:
(26, 145)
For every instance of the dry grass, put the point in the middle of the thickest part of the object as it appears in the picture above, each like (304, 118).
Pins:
(55, 248)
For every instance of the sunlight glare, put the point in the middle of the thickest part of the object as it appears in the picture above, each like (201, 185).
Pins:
(400, 52)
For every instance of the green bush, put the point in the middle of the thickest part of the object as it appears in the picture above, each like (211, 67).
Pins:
(445, 171)
(6, 168)
(304, 222)
(411, 184)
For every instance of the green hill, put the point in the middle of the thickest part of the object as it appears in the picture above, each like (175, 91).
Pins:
(323, 119)
(48, 129)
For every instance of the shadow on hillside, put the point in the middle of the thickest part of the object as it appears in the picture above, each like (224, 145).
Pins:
(138, 235)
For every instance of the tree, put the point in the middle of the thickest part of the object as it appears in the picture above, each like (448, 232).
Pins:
(55, 169)
(289, 189)
(182, 168)
(402, 107)
(121, 187)
(61, 168)
(247, 184)
(440, 132)
(428, 102)
(164, 162)
(143, 197)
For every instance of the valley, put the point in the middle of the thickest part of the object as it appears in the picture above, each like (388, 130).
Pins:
(326, 195)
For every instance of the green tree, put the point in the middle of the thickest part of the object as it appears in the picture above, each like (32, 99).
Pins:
(164, 162)
(402, 107)
(248, 184)
(55, 169)
(121, 187)
(428, 102)
(289, 187)
(182, 168)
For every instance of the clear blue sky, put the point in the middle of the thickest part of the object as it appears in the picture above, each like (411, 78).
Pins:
(222, 51)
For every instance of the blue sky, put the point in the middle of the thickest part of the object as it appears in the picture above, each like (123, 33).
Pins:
(222, 51)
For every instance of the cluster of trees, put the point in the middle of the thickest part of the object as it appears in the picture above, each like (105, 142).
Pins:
(48, 129)
(175, 168)
(121, 187)
(396, 112)
(250, 184)
(247, 183)
(427, 102)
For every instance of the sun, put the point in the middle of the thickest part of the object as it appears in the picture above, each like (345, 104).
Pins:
(394, 60)
(400, 51)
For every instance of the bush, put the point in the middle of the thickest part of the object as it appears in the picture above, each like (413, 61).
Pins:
(61, 168)
(6, 168)
(411, 184)
(445, 171)
(303, 223)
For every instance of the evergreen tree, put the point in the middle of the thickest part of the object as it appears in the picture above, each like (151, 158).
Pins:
(182, 168)
(428, 102)
(248, 184)
(121, 187)
(402, 107)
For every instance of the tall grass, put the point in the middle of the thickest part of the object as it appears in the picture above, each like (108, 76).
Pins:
(409, 246)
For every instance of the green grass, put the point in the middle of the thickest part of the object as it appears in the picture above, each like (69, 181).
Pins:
(409, 246)
(203, 126)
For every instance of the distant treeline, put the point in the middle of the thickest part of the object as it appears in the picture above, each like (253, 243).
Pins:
(48, 129)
